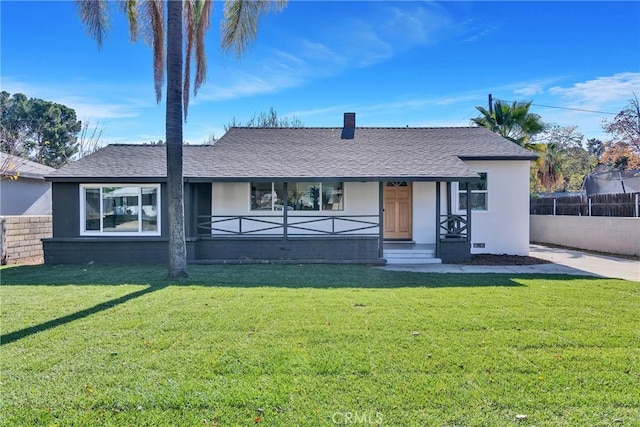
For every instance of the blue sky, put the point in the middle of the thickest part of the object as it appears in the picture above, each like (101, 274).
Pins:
(393, 63)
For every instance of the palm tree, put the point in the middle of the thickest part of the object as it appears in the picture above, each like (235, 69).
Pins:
(239, 28)
(514, 122)
(549, 165)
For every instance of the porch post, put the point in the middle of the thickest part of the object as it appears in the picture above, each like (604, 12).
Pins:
(285, 213)
(188, 203)
(448, 198)
(469, 214)
(438, 219)
(380, 219)
(195, 196)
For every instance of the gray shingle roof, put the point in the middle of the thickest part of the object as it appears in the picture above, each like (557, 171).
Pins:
(268, 153)
(23, 168)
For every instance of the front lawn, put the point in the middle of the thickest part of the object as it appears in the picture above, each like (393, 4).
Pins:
(315, 345)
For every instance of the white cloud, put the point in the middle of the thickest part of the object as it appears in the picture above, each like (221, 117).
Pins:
(601, 91)
(416, 24)
(530, 90)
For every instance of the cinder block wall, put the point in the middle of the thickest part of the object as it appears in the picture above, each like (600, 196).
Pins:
(615, 235)
(20, 237)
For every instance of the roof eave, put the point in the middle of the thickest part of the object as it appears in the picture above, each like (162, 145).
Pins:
(523, 157)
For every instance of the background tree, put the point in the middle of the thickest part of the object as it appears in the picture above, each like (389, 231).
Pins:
(622, 151)
(42, 131)
(563, 161)
(239, 28)
(268, 119)
(89, 138)
(514, 122)
(595, 147)
(549, 166)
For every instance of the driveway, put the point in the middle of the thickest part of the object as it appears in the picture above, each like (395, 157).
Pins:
(597, 265)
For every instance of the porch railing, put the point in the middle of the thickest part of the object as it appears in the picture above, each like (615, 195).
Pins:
(453, 227)
(296, 225)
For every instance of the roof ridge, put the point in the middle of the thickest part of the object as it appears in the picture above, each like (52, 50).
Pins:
(357, 127)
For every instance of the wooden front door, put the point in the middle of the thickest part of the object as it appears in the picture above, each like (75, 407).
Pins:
(398, 209)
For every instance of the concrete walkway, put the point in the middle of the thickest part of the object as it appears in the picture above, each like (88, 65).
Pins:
(563, 261)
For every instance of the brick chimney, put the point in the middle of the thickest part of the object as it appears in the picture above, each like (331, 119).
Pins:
(349, 128)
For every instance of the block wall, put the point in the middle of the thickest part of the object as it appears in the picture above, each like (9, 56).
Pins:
(615, 235)
(21, 238)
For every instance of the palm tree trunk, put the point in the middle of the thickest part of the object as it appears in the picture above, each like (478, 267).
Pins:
(177, 242)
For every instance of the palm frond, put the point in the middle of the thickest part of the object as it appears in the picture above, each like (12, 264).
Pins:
(130, 8)
(95, 16)
(188, 20)
(203, 17)
(240, 22)
(153, 31)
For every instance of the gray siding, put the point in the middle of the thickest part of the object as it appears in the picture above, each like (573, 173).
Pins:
(25, 196)
(105, 251)
(337, 249)
(68, 247)
(66, 210)
(65, 199)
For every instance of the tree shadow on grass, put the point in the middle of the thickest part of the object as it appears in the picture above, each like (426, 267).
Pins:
(10, 337)
(257, 275)
(238, 276)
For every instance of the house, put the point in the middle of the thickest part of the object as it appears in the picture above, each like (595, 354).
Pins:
(343, 194)
(24, 190)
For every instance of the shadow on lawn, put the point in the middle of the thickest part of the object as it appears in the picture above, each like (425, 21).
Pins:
(240, 276)
(256, 275)
(10, 337)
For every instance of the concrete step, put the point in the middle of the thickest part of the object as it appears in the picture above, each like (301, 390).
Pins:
(413, 261)
(422, 253)
(411, 258)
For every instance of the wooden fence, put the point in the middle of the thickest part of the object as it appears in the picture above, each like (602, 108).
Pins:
(618, 205)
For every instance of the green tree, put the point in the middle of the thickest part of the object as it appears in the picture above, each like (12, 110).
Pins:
(42, 131)
(595, 147)
(549, 166)
(563, 161)
(513, 121)
(239, 28)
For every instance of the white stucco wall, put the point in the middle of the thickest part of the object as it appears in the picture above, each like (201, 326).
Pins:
(504, 227)
(614, 235)
(360, 198)
(424, 211)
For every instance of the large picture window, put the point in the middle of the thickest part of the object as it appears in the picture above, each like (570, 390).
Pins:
(301, 196)
(120, 209)
(478, 194)
(315, 196)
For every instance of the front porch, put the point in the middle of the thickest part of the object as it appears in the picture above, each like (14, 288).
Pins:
(361, 231)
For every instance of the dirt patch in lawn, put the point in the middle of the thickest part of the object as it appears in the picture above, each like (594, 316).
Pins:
(491, 259)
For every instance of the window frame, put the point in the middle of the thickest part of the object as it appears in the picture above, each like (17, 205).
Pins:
(286, 199)
(459, 191)
(101, 232)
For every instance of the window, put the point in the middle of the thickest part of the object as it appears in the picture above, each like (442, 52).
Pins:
(301, 196)
(120, 210)
(315, 196)
(267, 196)
(478, 194)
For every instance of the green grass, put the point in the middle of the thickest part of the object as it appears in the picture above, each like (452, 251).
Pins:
(315, 345)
